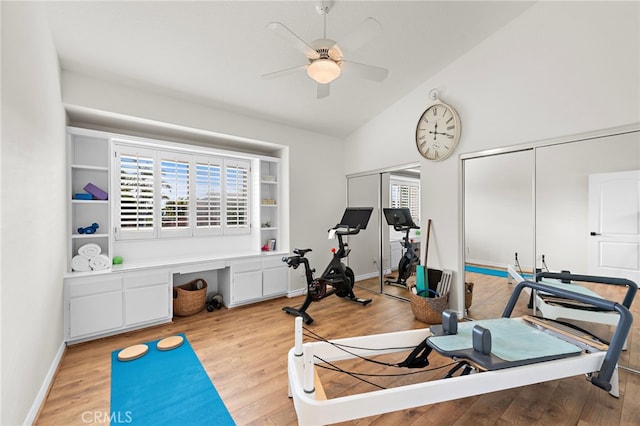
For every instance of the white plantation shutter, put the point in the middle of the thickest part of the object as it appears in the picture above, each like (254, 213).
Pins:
(414, 203)
(137, 193)
(175, 194)
(172, 193)
(236, 173)
(406, 196)
(208, 181)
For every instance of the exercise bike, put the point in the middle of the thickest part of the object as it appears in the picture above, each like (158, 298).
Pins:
(337, 278)
(401, 221)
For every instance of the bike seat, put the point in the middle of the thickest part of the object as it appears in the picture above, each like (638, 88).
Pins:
(301, 252)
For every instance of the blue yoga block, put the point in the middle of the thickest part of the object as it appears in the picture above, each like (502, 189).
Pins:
(83, 196)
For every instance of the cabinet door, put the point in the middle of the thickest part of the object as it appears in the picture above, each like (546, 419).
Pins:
(145, 304)
(246, 286)
(146, 296)
(275, 281)
(95, 314)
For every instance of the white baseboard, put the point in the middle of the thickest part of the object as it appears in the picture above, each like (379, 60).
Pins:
(46, 385)
(366, 276)
(295, 293)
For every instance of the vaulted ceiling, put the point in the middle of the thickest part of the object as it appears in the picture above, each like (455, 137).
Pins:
(214, 52)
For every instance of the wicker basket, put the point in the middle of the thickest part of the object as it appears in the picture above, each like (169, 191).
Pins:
(190, 298)
(428, 309)
(468, 295)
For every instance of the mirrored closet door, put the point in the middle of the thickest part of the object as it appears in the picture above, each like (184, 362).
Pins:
(376, 251)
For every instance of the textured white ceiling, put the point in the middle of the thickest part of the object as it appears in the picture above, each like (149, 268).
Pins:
(214, 52)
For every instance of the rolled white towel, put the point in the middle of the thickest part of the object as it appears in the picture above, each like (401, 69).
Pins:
(100, 262)
(80, 263)
(89, 250)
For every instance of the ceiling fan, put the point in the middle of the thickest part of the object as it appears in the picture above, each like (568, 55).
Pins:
(326, 57)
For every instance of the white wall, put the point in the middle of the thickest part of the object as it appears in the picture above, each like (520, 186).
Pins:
(33, 208)
(562, 194)
(317, 185)
(560, 68)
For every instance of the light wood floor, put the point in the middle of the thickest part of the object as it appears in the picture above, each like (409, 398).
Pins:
(244, 351)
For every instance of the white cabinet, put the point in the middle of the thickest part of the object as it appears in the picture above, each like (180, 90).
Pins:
(247, 286)
(94, 306)
(88, 163)
(275, 277)
(109, 303)
(253, 280)
(146, 296)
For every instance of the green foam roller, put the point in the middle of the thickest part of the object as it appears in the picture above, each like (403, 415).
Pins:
(420, 279)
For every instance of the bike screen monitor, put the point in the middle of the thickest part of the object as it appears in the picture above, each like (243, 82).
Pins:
(399, 217)
(354, 216)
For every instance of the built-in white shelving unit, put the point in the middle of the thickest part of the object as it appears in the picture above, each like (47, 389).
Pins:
(269, 207)
(88, 159)
(138, 293)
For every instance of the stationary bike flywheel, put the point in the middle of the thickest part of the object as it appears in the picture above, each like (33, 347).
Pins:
(318, 289)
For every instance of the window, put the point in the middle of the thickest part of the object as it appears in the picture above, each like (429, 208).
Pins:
(407, 195)
(208, 196)
(237, 194)
(136, 195)
(173, 194)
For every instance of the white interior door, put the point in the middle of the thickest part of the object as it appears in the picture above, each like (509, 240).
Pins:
(614, 224)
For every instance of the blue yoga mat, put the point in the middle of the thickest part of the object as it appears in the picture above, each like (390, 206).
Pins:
(165, 388)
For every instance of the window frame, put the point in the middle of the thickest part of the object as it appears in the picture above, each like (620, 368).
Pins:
(193, 159)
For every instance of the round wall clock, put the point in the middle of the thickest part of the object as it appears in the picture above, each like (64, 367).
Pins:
(438, 130)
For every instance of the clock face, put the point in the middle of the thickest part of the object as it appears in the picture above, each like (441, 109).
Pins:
(438, 132)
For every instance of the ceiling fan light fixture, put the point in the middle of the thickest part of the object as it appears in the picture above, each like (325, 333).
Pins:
(323, 71)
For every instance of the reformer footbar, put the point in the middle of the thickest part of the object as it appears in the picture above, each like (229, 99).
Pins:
(491, 373)
(553, 307)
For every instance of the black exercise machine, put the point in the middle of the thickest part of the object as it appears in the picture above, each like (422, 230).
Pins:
(337, 278)
(401, 221)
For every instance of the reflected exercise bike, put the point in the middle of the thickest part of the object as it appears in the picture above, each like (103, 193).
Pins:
(400, 219)
(337, 278)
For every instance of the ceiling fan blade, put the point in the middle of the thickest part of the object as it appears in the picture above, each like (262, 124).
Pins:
(369, 72)
(323, 90)
(361, 35)
(283, 72)
(284, 32)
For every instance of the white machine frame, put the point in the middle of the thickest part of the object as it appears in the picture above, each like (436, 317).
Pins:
(312, 411)
(312, 407)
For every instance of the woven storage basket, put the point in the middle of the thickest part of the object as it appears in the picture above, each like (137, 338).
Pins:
(190, 298)
(468, 295)
(428, 309)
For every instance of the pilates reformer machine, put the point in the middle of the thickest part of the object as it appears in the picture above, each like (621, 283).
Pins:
(490, 355)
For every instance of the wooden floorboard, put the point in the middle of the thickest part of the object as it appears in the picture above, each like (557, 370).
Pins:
(244, 352)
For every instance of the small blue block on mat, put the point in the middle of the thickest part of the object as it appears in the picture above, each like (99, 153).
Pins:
(165, 388)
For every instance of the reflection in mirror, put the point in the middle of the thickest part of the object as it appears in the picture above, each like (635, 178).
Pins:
(363, 191)
(401, 189)
(588, 221)
(498, 222)
(377, 250)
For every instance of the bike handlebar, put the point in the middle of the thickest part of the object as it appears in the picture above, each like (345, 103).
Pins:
(345, 230)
